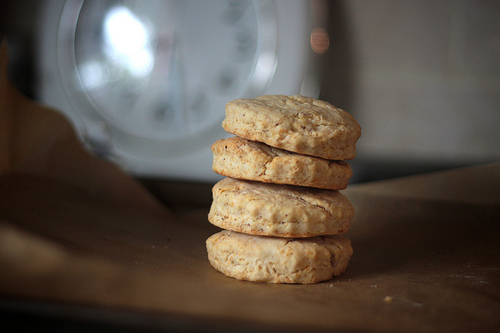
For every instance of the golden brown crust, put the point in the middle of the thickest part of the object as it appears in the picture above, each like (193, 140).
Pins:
(244, 159)
(279, 210)
(278, 260)
(296, 123)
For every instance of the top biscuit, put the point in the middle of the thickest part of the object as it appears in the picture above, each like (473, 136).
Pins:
(295, 123)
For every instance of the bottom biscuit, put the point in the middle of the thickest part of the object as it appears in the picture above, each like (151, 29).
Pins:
(278, 260)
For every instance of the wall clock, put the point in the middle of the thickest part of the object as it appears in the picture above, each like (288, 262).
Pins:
(145, 82)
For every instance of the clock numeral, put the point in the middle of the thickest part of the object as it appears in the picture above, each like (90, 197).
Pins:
(163, 113)
(200, 104)
(245, 45)
(226, 80)
(235, 11)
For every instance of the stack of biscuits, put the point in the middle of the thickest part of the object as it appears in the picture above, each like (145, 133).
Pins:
(280, 203)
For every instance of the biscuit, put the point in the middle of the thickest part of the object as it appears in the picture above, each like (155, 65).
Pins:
(278, 260)
(295, 123)
(278, 210)
(244, 159)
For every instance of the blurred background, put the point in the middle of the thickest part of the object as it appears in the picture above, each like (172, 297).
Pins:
(421, 77)
(423, 80)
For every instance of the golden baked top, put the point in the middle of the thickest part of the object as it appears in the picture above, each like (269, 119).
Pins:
(295, 123)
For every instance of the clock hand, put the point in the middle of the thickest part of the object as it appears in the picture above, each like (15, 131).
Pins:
(161, 105)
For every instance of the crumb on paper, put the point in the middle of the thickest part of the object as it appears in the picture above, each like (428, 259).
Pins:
(388, 299)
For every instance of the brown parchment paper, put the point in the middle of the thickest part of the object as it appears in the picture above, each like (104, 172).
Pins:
(76, 231)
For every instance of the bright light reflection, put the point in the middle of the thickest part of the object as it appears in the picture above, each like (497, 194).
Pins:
(265, 63)
(92, 74)
(128, 41)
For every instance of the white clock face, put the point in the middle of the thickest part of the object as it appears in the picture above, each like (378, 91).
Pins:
(164, 70)
(145, 82)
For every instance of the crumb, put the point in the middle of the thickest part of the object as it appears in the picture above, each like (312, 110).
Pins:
(388, 299)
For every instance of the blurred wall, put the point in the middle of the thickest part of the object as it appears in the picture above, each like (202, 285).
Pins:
(421, 77)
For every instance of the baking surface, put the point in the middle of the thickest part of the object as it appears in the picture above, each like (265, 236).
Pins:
(76, 231)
